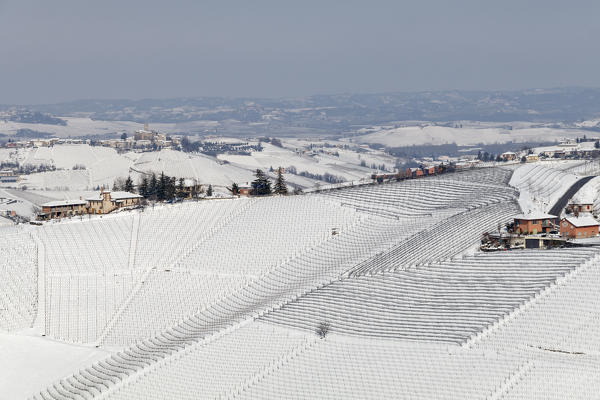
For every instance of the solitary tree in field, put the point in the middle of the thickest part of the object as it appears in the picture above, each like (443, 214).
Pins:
(209, 191)
(280, 186)
(323, 329)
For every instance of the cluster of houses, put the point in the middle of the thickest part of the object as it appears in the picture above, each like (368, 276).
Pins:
(103, 203)
(43, 142)
(575, 149)
(512, 156)
(582, 226)
(9, 176)
(143, 139)
(540, 230)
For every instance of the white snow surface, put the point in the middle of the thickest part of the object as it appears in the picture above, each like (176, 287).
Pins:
(468, 135)
(356, 293)
(540, 185)
(30, 363)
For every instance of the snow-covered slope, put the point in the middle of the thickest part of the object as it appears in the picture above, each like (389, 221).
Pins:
(468, 135)
(541, 185)
(354, 293)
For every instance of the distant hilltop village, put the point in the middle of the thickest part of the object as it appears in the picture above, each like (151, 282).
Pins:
(142, 140)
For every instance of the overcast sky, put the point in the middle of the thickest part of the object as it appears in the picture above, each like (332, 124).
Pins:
(72, 49)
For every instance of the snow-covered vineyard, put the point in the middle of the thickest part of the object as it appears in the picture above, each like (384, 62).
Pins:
(376, 291)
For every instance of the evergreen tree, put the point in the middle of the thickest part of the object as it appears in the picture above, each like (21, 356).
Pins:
(209, 191)
(234, 189)
(171, 188)
(161, 190)
(181, 189)
(128, 185)
(280, 186)
(153, 187)
(261, 185)
(143, 187)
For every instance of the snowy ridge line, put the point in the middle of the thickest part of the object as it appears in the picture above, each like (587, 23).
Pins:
(148, 271)
(512, 379)
(500, 323)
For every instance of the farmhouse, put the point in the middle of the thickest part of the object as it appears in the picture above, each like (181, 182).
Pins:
(532, 158)
(576, 207)
(508, 156)
(534, 223)
(62, 208)
(190, 188)
(245, 190)
(582, 202)
(107, 202)
(104, 203)
(579, 227)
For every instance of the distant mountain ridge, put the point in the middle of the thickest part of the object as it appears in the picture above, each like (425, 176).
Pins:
(343, 112)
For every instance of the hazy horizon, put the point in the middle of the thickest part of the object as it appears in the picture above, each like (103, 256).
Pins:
(69, 50)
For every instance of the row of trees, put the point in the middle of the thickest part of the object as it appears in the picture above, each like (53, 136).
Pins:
(164, 188)
(161, 187)
(262, 184)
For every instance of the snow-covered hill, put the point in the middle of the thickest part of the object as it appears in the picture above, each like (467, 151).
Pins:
(355, 293)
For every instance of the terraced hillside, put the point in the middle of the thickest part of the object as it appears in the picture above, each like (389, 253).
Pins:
(224, 298)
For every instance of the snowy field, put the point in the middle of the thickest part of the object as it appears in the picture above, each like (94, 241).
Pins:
(471, 133)
(77, 127)
(362, 292)
(102, 166)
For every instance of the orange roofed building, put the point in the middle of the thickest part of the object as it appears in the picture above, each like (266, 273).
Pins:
(581, 227)
(534, 223)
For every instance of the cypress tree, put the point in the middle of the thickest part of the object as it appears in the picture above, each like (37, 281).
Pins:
(161, 190)
(171, 188)
(280, 186)
(234, 189)
(153, 186)
(128, 185)
(181, 189)
(143, 187)
(261, 185)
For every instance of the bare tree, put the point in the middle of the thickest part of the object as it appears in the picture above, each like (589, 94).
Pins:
(323, 329)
